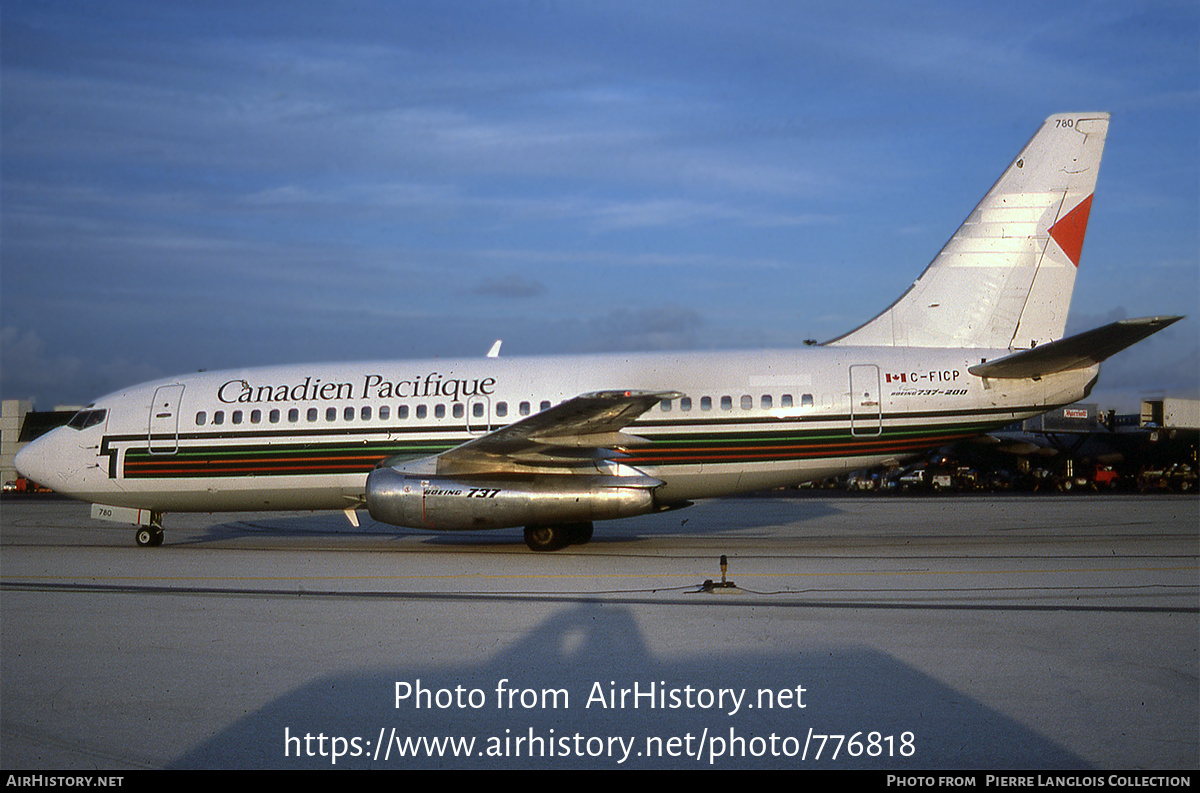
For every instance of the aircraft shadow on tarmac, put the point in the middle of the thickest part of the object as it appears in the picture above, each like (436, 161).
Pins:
(702, 519)
(593, 647)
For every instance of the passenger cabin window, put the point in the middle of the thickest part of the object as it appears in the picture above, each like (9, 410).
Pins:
(402, 412)
(523, 408)
(785, 401)
(439, 411)
(255, 416)
(331, 414)
(201, 419)
(685, 403)
(365, 413)
(236, 418)
(545, 405)
(348, 414)
(458, 410)
(765, 404)
(294, 415)
(313, 414)
(706, 403)
(501, 409)
(747, 402)
(274, 416)
(422, 410)
(665, 406)
(726, 403)
(806, 400)
(219, 417)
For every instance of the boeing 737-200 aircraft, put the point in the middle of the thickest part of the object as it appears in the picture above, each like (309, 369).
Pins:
(555, 443)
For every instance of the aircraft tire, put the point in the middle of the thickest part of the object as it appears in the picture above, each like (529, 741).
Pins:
(148, 537)
(580, 533)
(547, 538)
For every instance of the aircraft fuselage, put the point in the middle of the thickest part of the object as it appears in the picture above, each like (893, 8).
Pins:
(305, 437)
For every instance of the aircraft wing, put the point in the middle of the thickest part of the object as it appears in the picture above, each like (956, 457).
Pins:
(580, 431)
(1075, 352)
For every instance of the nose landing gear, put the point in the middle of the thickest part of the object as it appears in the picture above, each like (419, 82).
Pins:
(150, 536)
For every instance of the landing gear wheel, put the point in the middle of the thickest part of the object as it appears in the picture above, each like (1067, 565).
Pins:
(580, 533)
(547, 538)
(149, 536)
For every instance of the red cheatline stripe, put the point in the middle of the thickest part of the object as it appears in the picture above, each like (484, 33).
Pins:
(798, 451)
(210, 470)
(350, 463)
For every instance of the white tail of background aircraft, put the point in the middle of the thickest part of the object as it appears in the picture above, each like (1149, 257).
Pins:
(555, 443)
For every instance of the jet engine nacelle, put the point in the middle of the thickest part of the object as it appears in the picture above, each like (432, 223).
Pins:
(460, 503)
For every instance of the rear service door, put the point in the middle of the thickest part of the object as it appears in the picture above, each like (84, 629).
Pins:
(865, 408)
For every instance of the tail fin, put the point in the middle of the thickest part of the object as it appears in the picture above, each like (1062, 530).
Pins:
(1004, 280)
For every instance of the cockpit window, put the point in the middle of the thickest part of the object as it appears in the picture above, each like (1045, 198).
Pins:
(87, 418)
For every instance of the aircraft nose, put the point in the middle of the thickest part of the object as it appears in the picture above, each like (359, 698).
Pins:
(34, 462)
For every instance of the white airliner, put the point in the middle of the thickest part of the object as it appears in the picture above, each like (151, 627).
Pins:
(555, 443)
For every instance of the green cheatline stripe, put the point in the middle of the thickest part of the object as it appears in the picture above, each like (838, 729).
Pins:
(824, 434)
(845, 446)
(280, 459)
(316, 459)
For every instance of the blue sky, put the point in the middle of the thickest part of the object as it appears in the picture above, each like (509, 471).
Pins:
(209, 185)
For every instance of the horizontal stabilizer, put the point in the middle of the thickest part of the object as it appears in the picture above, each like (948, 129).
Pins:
(1076, 352)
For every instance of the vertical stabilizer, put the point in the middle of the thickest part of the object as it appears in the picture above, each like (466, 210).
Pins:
(1004, 279)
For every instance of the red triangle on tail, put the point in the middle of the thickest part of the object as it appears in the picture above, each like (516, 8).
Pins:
(1068, 232)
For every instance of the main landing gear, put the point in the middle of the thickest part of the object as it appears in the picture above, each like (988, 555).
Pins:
(554, 538)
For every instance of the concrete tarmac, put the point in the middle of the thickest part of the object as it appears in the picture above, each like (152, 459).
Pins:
(981, 632)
